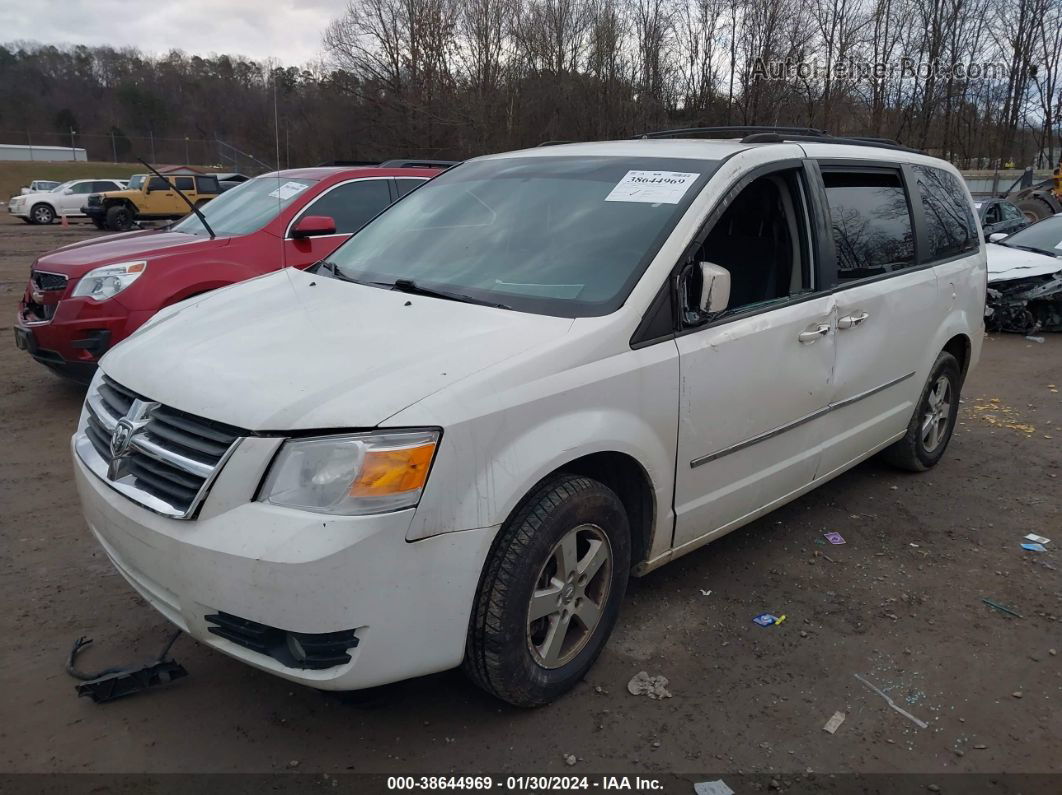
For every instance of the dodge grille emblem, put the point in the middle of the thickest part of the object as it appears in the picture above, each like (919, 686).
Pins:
(124, 432)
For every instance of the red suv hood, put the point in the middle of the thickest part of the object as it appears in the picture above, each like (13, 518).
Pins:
(77, 259)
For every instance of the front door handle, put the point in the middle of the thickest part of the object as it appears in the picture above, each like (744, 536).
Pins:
(852, 320)
(814, 333)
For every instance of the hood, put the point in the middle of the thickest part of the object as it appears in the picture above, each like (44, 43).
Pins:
(77, 259)
(295, 351)
(1006, 264)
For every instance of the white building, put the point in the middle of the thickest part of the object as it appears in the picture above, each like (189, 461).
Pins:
(41, 153)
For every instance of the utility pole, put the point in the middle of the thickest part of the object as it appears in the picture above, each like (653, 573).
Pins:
(73, 149)
(29, 142)
(114, 147)
(186, 158)
(151, 133)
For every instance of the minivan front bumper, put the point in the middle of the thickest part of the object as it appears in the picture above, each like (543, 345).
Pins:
(407, 604)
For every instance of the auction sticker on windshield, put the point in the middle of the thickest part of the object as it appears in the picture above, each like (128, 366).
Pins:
(652, 187)
(287, 190)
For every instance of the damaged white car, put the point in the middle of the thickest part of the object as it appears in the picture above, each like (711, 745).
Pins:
(1025, 279)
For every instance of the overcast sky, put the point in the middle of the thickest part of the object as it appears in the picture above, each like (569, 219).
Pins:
(287, 30)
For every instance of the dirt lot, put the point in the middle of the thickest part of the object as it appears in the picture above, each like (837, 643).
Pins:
(899, 604)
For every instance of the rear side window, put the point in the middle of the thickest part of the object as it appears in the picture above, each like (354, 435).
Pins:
(950, 220)
(872, 230)
(352, 205)
(207, 185)
(405, 185)
(185, 183)
(102, 187)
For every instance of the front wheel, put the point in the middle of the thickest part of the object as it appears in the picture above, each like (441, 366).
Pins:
(933, 421)
(119, 218)
(550, 593)
(42, 214)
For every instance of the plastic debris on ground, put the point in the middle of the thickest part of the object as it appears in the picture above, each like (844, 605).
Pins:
(1001, 608)
(920, 723)
(834, 538)
(1034, 547)
(1037, 539)
(717, 787)
(766, 619)
(834, 723)
(642, 684)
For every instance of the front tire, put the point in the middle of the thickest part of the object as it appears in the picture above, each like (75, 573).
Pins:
(933, 421)
(119, 218)
(550, 593)
(42, 214)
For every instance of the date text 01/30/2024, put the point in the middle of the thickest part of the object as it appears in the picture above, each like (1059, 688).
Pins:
(523, 783)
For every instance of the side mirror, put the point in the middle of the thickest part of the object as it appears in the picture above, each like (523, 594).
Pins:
(995, 237)
(313, 226)
(715, 288)
(67, 191)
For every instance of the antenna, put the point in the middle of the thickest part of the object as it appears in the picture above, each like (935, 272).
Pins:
(276, 136)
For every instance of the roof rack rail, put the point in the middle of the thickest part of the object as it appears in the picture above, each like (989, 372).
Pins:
(419, 163)
(555, 143)
(346, 163)
(758, 134)
(877, 143)
(734, 131)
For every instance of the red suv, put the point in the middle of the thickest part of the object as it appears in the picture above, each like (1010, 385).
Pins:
(84, 298)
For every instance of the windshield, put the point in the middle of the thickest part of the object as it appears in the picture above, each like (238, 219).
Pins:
(247, 207)
(1045, 236)
(136, 181)
(565, 236)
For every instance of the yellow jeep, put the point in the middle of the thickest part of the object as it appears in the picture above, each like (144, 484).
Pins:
(149, 198)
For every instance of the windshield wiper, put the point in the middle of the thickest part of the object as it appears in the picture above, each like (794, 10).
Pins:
(410, 286)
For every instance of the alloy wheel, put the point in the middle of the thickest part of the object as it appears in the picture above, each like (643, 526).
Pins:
(569, 596)
(937, 414)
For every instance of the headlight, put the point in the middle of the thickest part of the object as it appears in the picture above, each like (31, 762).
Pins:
(106, 282)
(352, 475)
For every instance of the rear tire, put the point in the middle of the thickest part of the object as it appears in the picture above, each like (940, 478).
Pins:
(119, 218)
(42, 214)
(933, 420)
(550, 593)
(1035, 209)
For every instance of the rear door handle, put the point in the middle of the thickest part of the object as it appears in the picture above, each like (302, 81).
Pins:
(852, 320)
(814, 333)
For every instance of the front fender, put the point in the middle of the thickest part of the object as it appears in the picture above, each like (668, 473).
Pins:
(510, 439)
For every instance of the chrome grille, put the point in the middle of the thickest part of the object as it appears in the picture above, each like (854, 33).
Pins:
(171, 457)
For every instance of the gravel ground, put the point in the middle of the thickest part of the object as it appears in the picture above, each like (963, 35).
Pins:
(899, 604)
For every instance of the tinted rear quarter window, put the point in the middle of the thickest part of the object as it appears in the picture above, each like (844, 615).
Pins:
(405, 185)
(872, 230)
(950, 221)
(352, 205)
(207, 185)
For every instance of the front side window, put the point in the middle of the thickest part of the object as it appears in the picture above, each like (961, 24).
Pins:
(872, 230)
(247, 207)
(185, 183)
(158, 183)
(949, 219)
(565, 236)
(1011, 213)
(352, 205)
(82, 187)
(136, 182)
(762, 240)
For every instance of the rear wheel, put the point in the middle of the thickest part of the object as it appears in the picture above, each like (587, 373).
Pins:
(119, 218)
(42, 214)
(1035, 209)
(551, 591)
(933, 421)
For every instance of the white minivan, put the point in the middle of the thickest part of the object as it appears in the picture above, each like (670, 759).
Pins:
(536, 375)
